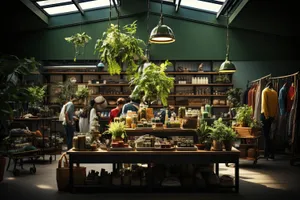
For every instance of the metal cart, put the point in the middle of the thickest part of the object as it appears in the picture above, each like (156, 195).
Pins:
(19, 157)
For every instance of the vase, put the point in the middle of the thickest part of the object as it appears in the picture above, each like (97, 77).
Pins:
(227, 145)
(217, 145)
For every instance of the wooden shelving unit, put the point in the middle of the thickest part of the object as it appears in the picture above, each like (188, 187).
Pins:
(180, 92)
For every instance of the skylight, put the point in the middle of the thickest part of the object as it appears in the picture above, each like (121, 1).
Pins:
(211, 6)
(59, 7)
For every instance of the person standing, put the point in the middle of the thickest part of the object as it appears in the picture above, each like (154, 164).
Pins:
(269, 109)
(69, 121)
(92, 114)
(133, 105)
(116, 112)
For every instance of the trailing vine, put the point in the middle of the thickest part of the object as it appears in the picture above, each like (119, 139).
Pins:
(78, 40)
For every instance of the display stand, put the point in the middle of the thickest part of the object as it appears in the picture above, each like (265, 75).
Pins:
(43, 124)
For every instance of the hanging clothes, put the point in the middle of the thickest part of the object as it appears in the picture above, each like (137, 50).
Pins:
(282, 99)
(250, 92)
(290, 97)
(257, 107)
(245, 95)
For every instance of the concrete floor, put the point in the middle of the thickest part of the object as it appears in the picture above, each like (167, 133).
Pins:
(267, 180)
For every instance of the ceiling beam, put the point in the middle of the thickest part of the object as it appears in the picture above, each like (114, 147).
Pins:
(116, 6)
(237, 10)
(223, 8)
(36, 10)
(78, 7)
(177, 5)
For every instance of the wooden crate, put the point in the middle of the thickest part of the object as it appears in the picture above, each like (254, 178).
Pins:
(244, 132)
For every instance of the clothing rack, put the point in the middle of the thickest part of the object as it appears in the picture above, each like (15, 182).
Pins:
(286, 76)
(267, 76)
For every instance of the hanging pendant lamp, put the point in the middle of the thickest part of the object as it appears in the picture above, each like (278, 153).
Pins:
(161, 34)
(227, 66)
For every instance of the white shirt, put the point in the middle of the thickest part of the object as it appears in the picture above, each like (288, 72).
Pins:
(93, 115)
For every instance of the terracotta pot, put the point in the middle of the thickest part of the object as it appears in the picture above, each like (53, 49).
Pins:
(200, 146)
(227, 145)
(2, 167)
(217, 145)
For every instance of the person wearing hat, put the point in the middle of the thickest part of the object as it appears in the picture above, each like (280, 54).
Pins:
(69, 121)
(97, 104)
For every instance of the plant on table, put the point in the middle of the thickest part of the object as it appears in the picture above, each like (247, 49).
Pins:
(217, 134)
(79, 40)
(152, 84)
(83, 93)
(116, 48)
(229, 136)
(117, 130)
(203, 132)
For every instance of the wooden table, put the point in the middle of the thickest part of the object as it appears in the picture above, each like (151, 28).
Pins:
(157, 157)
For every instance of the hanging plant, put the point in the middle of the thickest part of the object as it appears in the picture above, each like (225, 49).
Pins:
(79, 40)
(152, 84)
(116, 48)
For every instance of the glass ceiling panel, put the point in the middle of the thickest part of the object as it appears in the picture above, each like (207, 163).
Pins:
(61, 9)
(51, 2)
(94, 4)
(202, 5)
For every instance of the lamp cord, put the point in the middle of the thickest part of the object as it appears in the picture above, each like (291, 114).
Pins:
(227, 38)
(109, 12)
(148, 32)
(161, 12)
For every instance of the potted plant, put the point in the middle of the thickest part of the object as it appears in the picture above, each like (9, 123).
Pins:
(217, 134)
(36, 95)
(234, 97)
(203, 132)
(78, 40)
(152, 84)
(246, 125)
(82, 94)
(117, 131)
(229, 137)
(116, 48)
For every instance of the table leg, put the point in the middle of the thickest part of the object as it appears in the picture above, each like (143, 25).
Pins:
(217, 168)
(237, 176)
(71, 172)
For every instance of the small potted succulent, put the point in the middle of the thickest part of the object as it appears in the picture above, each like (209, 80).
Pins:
(118, 134)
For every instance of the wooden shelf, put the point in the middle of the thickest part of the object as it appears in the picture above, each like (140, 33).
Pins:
(210, 84)
(110, 95)
(220, 106)
(192, 95)
(79, 73)
(108, 84)
(192, 73)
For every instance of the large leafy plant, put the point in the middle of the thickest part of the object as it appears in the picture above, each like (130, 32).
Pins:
(82, 93)
(79, 40)
(116, 48)
(11, 71)
(67, 89)
(152, 84)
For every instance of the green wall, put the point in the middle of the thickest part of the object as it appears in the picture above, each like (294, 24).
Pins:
(194, 41)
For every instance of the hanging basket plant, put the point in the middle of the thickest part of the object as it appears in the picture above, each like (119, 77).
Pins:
(79, 40)
(116, 48)
(152, 84)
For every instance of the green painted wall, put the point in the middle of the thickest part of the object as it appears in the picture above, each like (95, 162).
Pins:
(194, 41)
